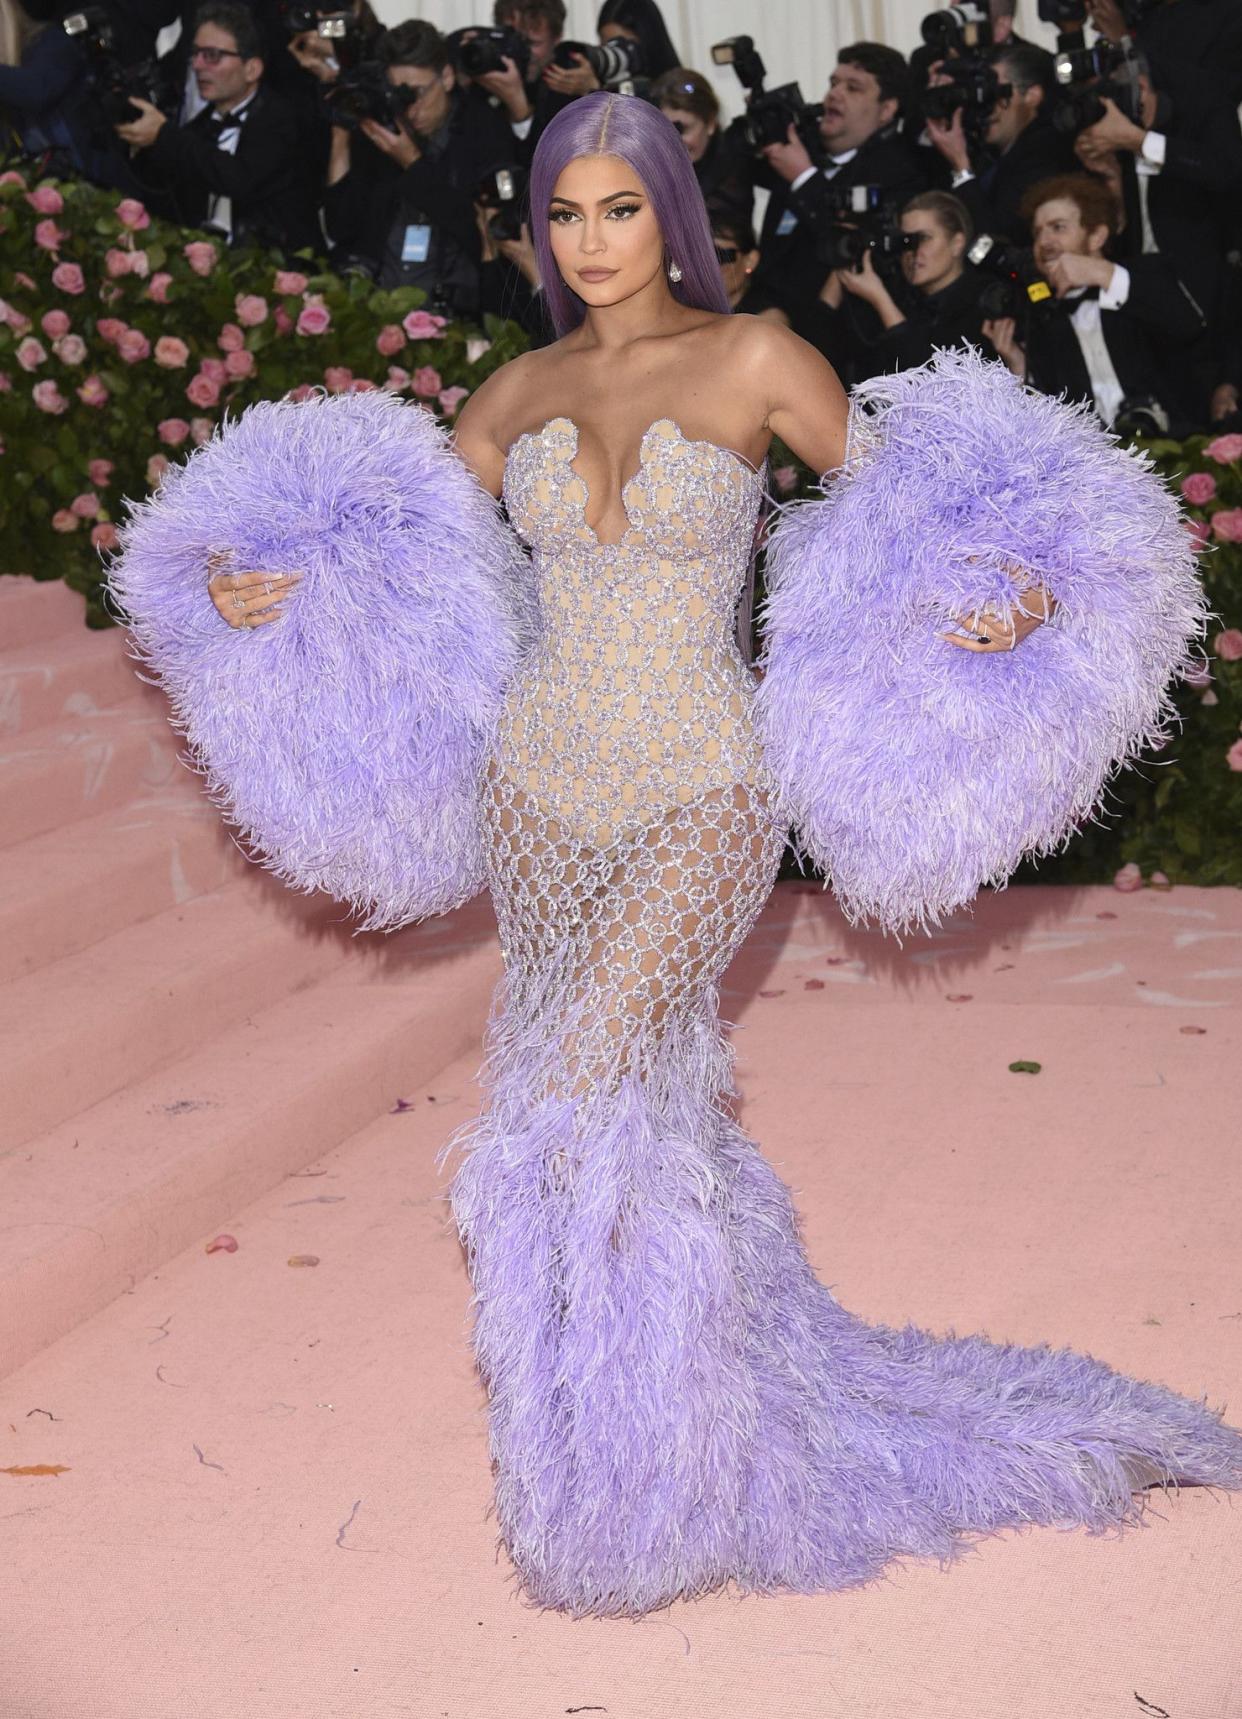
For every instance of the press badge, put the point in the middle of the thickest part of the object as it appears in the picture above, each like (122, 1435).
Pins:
(416, 244)
(786, 224)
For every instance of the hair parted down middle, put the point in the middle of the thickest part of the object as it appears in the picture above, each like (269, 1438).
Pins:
(638, 134)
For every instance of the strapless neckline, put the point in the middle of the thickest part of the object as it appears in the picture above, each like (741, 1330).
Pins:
(751, 471)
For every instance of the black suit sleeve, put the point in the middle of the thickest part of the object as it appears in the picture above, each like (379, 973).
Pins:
(1159, 301)
(262, 165)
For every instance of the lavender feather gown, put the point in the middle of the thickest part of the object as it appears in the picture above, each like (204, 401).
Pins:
(675, 1400)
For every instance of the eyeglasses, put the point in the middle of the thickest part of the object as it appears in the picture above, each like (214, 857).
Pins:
(213, 56)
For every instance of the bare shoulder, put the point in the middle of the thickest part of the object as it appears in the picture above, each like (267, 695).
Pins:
(484, 426)
(801, 394)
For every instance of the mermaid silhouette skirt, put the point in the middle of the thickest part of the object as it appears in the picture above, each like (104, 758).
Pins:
(675, 1401)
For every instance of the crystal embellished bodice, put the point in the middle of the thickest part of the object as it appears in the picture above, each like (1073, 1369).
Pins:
(635, 698)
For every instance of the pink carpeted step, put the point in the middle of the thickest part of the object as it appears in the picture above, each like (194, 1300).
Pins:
(67, 676)
(108, 1196)
(77, 766)
(34, 609)
(87, 1025)
(71, 886)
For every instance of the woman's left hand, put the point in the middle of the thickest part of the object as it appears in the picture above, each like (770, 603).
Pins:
(575, 80)
(989, 632)
(864, 282)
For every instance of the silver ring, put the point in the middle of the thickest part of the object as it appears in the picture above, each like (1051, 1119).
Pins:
(239, 602)
(267, 587)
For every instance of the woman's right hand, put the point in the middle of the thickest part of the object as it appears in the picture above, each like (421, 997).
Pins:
(248, 599)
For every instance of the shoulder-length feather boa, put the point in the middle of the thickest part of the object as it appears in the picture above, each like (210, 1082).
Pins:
(344, 739)
(915, 771)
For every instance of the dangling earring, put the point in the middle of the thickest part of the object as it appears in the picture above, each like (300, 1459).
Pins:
(674, 271)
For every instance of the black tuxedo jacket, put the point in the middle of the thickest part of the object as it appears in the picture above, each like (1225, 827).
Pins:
(994, 194)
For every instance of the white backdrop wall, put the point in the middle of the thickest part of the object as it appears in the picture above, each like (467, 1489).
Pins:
(798, 39)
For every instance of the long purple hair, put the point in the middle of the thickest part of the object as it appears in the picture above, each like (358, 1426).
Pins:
(630, 128)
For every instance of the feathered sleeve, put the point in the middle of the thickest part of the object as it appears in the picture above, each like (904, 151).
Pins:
(915, 771)
(346, 739)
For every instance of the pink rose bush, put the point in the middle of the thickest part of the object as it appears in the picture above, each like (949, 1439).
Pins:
(289, 282)
(92, 392)
(86, 506)
(1234, 756)
(230, 338)
(133, 346)
(202, 391)
(71, 350)
(1199, 488)
(1225, 449)
(1228, 645)
(48, 398)
(55, 323)
(133, 214)
(46, 200)
(171, 353)
(1227, 525)
(250, 309)
(48, 236)
(64, 519)
(172, 431)
(201, 255)
(389, 340)
(157, 287)
(337, 378)
(314, 318)
(200, 431)
(426, 381)
(68, 277)
(103, 536)
(239, 365)
(420, 326)
(100, 473)
(30, 353)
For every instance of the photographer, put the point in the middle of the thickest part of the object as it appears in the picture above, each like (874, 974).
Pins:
(722, 163)
(944, 309)
(1020, 144)
(418, 225)
(1102, 338)
(47, 95)
(641, 49)
(528, 99)
(858, 145)
(239, 167)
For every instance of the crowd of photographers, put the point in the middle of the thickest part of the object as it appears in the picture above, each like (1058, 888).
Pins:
(1078, 213)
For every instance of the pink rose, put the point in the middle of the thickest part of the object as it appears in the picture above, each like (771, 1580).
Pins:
(92, 392)
(201, 255)
(63, 520)
(239, 364)
(16, 321)
(303, 391)
(100, 473)
(48, 236)
(202, 391)
(172, 431)
(1128, 879)
(117, 263)
(104, 536)
(397, 379)
(171, 353)
(157, 465)
(364, 385)
(157, 288)
(1225, 449)
(419, 325)
(111, 328)
(23, 280)
(31, 353)
(214, 369)
(68, 277)
(86, 506)
(1200, 531)
(337, 378)
(1199, 488)
(132, 214)
(314, 318)
(785, 478)
(1234, 756)
(200, 431)
(451, 399)
(427, 381)
(1228, 645)
(139, 264)
(134, 346)
(55, 323)
(70, 350)
(250, 309)
(1198, 678)
(12, 177)
(389, 340)
(1227, 525)
(48, 398)
(45, 200)
(282, 319)
(230, 338)
(289, 281)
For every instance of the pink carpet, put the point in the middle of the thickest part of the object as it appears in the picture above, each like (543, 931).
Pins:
(267, 1481)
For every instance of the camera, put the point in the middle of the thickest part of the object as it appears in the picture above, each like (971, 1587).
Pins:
(487, 48)
(1085, 76)
(1141, 415)
(974, 88)
(364, 92)
(957, 30)
(769, 113)
(863, 219)
(1015, 286)
(504, 190)
(616, 64)
(112, 84)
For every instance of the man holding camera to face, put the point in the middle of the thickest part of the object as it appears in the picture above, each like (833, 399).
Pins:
(416, 225)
